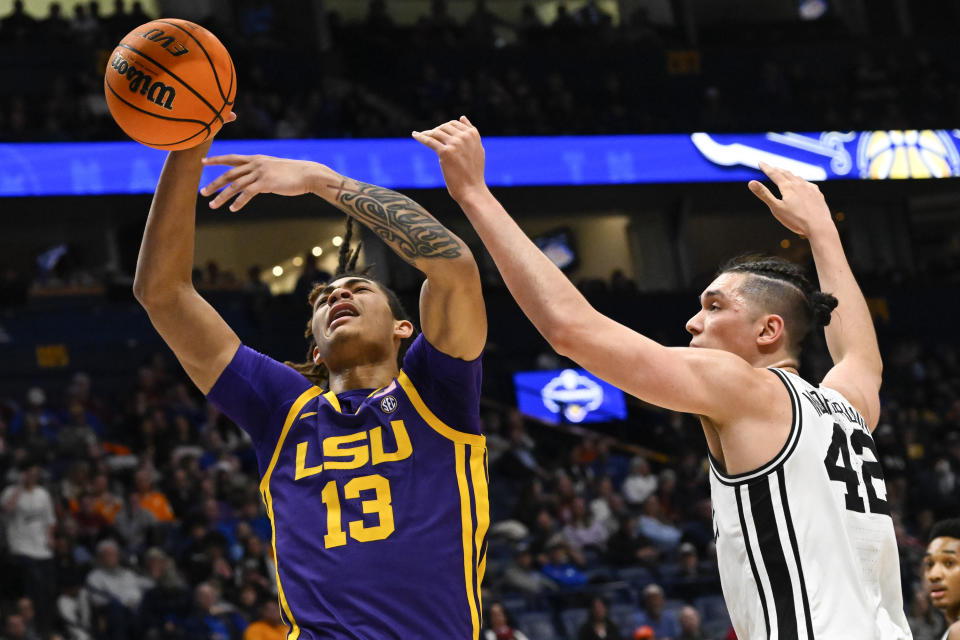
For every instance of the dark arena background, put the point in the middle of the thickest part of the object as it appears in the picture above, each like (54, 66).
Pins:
(590, 113)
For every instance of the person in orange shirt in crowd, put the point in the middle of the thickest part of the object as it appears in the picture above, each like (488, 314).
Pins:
(104, 502)
(270, 626)
(150, 499)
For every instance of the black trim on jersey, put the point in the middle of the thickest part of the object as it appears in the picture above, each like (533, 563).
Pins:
(782, 456)
(796, 551)
(771, 551)
(753, 564)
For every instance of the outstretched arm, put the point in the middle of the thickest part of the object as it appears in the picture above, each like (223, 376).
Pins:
(203, 343)
(851, 338)
(701, 381)
(452, 313)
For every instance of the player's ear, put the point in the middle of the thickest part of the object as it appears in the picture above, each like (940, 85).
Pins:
(402, 329)
(771, 330)
(317, 360)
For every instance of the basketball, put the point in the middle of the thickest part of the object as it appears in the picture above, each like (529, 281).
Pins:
(169, 84)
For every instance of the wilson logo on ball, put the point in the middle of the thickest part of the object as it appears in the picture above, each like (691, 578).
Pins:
(169, 43)
(157, 92)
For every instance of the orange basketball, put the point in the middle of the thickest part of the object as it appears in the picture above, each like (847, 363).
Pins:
(169, 84)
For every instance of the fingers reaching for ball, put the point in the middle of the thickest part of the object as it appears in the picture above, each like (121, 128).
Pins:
(251, 175)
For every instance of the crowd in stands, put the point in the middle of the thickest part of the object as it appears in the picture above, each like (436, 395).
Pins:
(134, 512)
(584, 73)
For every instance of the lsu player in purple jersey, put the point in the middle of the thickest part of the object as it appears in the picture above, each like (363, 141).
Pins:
(375, 483)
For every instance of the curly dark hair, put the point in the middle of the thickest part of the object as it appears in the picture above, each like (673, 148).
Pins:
(780, 286)
(346, 267)
(945, 529)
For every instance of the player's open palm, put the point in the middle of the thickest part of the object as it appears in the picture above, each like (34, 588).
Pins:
(251, 175)
(458, 146)
(800, 208)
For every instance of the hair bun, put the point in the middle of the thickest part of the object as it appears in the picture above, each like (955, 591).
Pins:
(823, 305)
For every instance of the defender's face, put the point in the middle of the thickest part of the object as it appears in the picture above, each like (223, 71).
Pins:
(941, 573)
(349, 308)
(725, 320)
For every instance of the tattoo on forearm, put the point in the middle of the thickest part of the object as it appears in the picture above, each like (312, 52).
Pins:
(399, 221)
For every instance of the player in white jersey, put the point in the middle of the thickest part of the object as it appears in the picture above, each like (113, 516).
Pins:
(941, 573)
(807, 546)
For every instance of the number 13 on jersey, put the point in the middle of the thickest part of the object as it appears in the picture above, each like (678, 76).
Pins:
(380, 505)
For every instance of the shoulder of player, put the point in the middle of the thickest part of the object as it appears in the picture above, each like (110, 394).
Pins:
(737, 390)
(866, 404)
(953, 632)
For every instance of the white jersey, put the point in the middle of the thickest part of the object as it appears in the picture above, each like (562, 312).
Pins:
(805, 543)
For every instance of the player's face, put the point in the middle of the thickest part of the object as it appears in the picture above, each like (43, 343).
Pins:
(725, 320)
(349, 310)
(941, 573)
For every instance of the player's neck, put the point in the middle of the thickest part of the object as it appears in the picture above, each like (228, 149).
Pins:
(363, 376)
(777, 361)
(952, 614)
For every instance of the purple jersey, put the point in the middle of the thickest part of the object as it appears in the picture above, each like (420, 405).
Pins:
(378, 499)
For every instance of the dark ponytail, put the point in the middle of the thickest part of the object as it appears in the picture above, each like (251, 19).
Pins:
(823, 305)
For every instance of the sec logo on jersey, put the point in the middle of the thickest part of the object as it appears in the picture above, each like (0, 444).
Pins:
(388, 404)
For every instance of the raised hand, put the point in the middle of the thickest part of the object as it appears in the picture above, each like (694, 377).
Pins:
(801, 207)
(251, 175)
(458, 146)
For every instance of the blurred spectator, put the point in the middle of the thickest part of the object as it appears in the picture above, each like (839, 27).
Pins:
(212, 618)
(110, 581)
(520, 575)
(626, 547)
(74, 608)
(55, 26)
(18, 25)
(438, 26)
(83, 25)
(583, 531)
(30, 519)
(378, 21)
(598, 626)
(118, 23)
(90, 523)
(167, 604)
(76, 439)
(37, 411)
(689, 619)
(28, 614)
(693, 580)
(14, 628)
(640, 484)
(269, 626)
(560, 568)
(481, 24)
(663, 621)
(591, 16)
(604, 507)
(104, 502)
(655, 526)
(150, 498)
(133, 522)
(115, 591)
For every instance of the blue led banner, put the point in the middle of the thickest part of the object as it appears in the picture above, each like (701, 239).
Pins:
(570, 395)
(95, 168)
